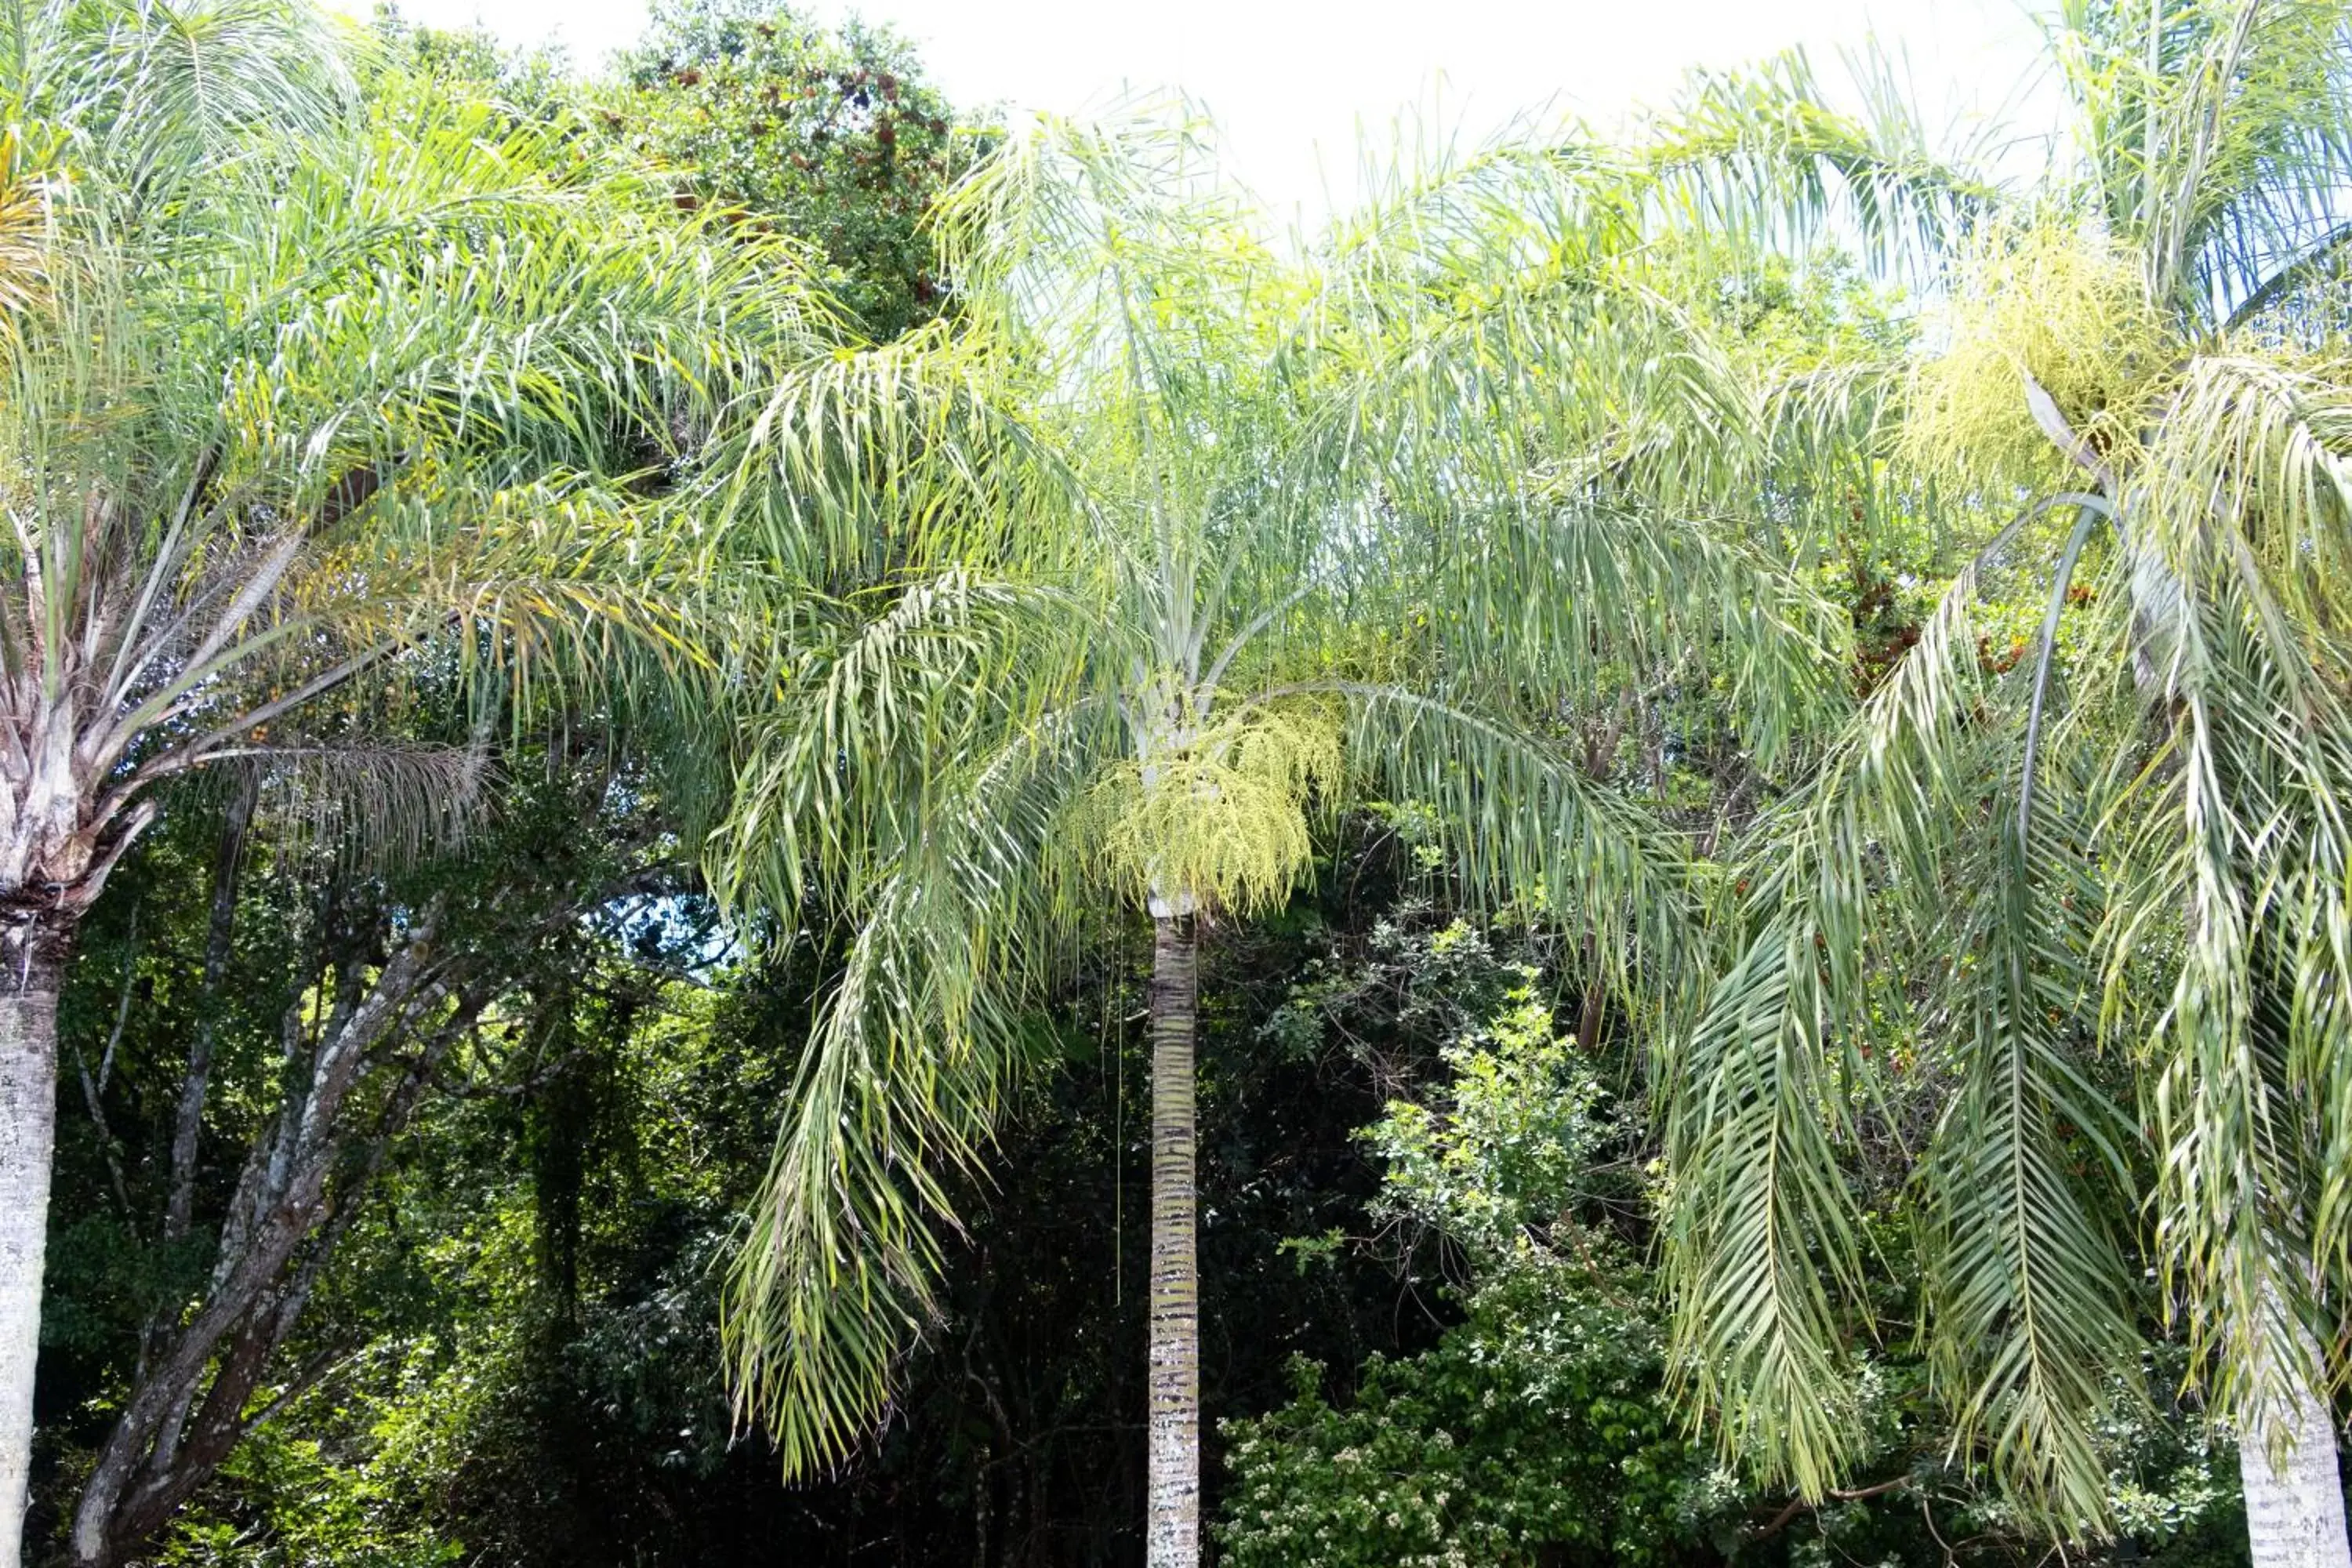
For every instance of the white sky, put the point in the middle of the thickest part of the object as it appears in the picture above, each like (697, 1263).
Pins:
(1291, 82)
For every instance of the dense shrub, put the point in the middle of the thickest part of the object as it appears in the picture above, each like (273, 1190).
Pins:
(1533, 1433)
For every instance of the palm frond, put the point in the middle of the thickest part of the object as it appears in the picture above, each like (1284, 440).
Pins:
(2244, 839)
(149, 96)
(896, 1101)
(2028, 1312)
(392, 803)
(1765, 1236)
(1526, 824)
(1761, 155)
(2214, 135)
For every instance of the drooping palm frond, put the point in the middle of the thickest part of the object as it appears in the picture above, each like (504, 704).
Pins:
(1052, 237)
(391, 803)
(897, 1099)
(1909, 841)
(2027, 1311)
(1758, 1330)
(447, 281)
(2236, 873)
(1765, 1236)
(1574, 476)
(2246, 479)
(2150, 808)
(189, 82)
(1761, 156)
(1523, 823)
(837, 779)
(1599, 589)
(131, 101)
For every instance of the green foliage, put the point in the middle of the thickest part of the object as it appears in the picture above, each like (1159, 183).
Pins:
(300, 1505)
(1387, 478)
(1509, 1144)
(531, 1287)
(1570, 499)
(527, 1307)
(831, 136)
(1544, 1424)
(1540, 1424)
(1537, 1425)
(1417, 974)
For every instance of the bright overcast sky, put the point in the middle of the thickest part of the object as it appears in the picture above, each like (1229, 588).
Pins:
(1291, 81)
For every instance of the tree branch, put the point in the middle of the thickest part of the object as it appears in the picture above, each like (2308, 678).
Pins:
(1800, 1504)
(94, 1090)
(188, 1125)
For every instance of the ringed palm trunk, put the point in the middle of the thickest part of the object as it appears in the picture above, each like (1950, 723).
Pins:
(1172, 1537)
(2294, 1507)
(28, 1053)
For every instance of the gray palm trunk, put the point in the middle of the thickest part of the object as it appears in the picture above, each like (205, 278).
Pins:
(1173, 1529)
(28, 1053)
(2286, 1462)
(58, 841)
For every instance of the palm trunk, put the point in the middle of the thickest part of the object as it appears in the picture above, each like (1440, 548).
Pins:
(1173, 1533)
(2295, 1508)
(28, 1057)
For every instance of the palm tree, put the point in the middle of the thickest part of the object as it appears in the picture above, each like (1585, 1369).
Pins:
(2134, 836)
(297, 393)
(1266, 537)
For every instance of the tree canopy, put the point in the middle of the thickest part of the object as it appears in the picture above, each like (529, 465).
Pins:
(746, 818)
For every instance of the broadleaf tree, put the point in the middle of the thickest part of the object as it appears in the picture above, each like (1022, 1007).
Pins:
(831, 135)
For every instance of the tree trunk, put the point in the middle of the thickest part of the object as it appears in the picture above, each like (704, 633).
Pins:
(187, 1128)
(307, 1172)
(1173, 1532)
(2295, 1508)
(28, 1057)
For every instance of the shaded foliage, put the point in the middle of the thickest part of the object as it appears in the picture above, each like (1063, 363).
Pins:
(536, 1295)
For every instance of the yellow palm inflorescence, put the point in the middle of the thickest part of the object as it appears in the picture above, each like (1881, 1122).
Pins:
(25, 198)
(1221, 813)
(2062, 304)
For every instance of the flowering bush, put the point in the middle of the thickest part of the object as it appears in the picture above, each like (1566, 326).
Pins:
(1534, 1427)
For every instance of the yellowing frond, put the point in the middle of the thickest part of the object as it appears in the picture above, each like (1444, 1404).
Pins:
(1219, 815)
(2062, 304)
(23, 229)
